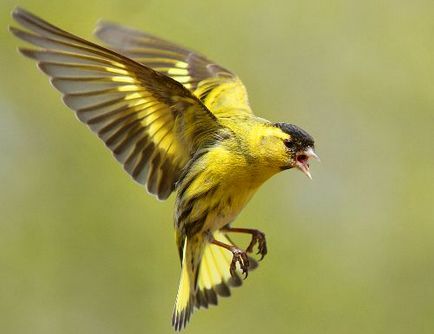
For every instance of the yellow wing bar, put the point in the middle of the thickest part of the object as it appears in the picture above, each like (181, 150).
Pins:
(150, 122)
(218, 88)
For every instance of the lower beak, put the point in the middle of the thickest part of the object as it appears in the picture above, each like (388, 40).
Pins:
(304, 167)
(302, 162)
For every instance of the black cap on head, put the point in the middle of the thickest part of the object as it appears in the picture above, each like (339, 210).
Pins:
(299, 138)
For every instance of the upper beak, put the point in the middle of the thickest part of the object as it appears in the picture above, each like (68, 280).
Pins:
(302, 160)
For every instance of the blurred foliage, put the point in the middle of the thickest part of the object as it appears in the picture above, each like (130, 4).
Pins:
(85, 250)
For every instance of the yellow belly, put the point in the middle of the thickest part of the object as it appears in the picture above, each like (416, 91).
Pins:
(232, 200)
(216, 189)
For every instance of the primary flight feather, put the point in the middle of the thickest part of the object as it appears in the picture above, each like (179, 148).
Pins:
(176, 121)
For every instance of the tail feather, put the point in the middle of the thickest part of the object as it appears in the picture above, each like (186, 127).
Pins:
(213, 280)
(185, 297)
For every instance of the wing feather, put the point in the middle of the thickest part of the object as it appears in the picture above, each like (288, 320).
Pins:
(150, 122)
(218, 88)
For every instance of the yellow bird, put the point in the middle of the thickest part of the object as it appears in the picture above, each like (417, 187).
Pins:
(177, 122)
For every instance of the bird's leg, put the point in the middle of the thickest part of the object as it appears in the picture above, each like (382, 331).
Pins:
(239, 256)
(257, 237)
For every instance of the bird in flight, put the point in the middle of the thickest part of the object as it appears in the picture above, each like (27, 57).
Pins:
(177, 122)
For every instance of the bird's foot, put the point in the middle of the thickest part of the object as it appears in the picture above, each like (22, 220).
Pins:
(258, 237)
(242, 258)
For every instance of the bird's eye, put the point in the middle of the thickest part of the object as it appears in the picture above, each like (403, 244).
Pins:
(289, 144)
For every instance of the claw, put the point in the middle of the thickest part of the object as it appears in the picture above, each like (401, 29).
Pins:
(258, 238)
(242, 258)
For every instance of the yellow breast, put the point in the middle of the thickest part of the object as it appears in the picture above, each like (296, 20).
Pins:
(220, 183)
(229, 180)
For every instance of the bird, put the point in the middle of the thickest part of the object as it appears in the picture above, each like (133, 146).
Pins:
(178, 123)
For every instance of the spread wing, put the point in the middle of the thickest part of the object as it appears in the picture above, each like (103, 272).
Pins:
(150, 122)
(219, 89)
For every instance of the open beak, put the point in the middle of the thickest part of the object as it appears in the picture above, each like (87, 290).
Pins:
(302, 160)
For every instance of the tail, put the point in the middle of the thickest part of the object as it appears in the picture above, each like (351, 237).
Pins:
(200, 285)
(185, 297)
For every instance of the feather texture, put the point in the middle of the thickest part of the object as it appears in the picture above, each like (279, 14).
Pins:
(150, 122)
(215, 86)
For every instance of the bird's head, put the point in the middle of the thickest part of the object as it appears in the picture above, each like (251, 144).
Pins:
(298, 147)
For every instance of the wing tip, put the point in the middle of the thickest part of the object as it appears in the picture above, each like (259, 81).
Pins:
(103, 30)
(29, 53)
(15, 31)
(102, 25)
(23, 16)
(18, 12)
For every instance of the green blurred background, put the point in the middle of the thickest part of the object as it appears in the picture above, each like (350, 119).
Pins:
(85, 250)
